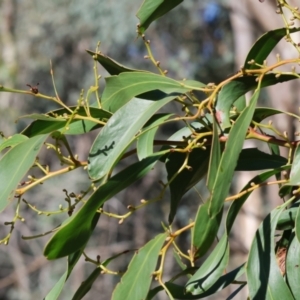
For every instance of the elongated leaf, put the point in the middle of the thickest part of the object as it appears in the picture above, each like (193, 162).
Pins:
(239, 87)
(178, 259)
(76, 231)
(119, 133)
(294, 179)
(152, 10)
(186, 131)
(122, 88)
(42, 117)
(264, 45)
(287, 219)
(240, 104)
(56, 290)
(295, 171)
(135, 283)
(12, 141)
(230, 156)
(86, 285)
(186, 179)
(297, 224)
(205, 229)
(76, 127)
(238, 203)
(179, 292)
(72, 260)
(252, 159)
(145, 140)
(292, 266)
(233, 294)
(262, 113)
(211, 269)
(264, 278)
(215, 157)
(110, 65)
(15, 164)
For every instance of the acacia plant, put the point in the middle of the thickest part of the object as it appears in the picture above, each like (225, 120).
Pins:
(209, 145)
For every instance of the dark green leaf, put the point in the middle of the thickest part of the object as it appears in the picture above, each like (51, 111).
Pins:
(211, 270)
(86, 285)
(264, 45)
(264, 278)
(252, 159)
(262, 113)
(109, 64)
(152, 10)
(119, 133)
(15, 164)
(292, 265)
(74, 233)
(146, 138)
(135, 283)
(198, 161)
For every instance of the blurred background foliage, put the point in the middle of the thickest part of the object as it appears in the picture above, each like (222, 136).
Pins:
(193, 41)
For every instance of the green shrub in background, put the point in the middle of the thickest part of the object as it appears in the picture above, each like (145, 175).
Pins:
(208, 145)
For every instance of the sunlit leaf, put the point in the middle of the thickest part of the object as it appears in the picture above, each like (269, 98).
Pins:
(230, 156)
(215, 157)
(12, 141)
(239, 87)
(57, 289)
(264, 278)
(179, 292)
(122, 88)
(295, 170)
(145, 140)
(238, 203)
(135, 283)
(205, 229)
(287, 219)
(292, 265)
(211, 270)
(118, 134)
(86, 285)
(15, 164)
(297, 224)
(240, 104)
